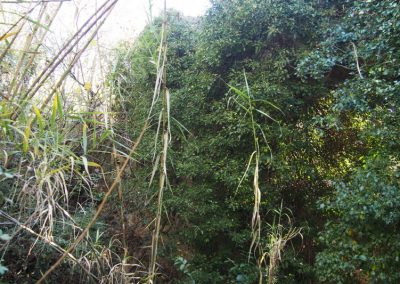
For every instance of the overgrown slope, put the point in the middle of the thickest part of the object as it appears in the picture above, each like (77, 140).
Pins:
(321, 80)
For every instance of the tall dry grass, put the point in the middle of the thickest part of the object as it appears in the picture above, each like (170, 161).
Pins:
(47, 144)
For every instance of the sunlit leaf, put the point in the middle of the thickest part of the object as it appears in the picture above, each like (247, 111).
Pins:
(85, 164)
(27, 134)
(7, 35)
(39, 118)
(87, 86)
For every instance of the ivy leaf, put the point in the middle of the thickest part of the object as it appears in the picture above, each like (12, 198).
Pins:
(5, 237)
(3, 269)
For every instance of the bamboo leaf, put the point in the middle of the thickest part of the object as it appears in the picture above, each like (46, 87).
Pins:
(39, 118)
(84, 139)
(94, 139)
(7, 35)
(271, 104)
(27, 134)
(38, 23)
(86, 164)
(54, 112)
(267, 115)
(105, 135)
(239, 92)
(93, 164)
(59, 106)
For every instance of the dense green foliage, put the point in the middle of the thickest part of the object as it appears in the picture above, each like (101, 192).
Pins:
(323, 78)
(361, 236)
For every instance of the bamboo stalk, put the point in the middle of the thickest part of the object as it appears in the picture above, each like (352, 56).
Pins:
(164, 153)
(77, 56)
(63, 52)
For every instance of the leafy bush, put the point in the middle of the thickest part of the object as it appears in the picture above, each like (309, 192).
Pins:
(360, 239)
(314, 84)
(213, 137)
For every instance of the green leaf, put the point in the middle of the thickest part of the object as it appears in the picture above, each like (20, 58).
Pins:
(84, 139)
(3, 269)
(239, 92)
(59, 106)
(5, 237)
(27, 134)
(39, 118)
(54, 112)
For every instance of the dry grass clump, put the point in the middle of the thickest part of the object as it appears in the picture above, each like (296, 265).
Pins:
(48, 143)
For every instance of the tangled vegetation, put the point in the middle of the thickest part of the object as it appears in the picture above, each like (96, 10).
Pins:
(255, 144)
